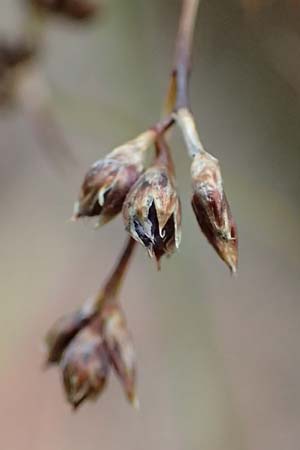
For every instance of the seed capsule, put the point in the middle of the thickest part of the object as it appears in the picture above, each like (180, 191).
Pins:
(120, 349)
(65, 329)
(212, 210)
(152, 212)
(108, 181)
(85, 365)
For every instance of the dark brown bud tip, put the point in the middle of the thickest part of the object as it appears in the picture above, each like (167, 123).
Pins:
(64, 330)
(152, 213)
(212, 210)
(120, 349)
(85, 365)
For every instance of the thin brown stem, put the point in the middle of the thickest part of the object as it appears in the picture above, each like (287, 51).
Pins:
(163, 125)
(163, 154)
(178, 89)
(112, 286)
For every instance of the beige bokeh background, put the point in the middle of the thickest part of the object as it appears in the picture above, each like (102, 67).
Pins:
(219, 363)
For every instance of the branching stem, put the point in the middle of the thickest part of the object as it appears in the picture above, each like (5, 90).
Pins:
(177, 98)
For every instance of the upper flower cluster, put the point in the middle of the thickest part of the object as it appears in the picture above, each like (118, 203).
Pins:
(148, 199)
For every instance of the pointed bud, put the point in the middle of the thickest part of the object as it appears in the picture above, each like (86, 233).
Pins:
(120, 349)
(85, 365)
(108, 181)
(152, 212)
(65, 329)
(212, 209)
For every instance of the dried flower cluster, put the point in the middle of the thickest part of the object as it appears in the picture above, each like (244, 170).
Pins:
(88, 343)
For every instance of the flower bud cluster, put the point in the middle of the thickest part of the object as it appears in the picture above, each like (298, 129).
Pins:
(87, 345)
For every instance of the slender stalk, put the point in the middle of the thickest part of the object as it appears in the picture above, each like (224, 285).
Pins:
(177, 96)
(163, 154)
(112, 286)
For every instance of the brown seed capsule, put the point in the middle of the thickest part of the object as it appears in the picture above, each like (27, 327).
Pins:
(65, 329)
(152, 212)
(120, 349)
(108, 181)
(85, 365)
(212, 209)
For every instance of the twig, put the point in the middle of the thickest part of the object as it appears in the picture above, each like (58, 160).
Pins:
(177, 96)
(114, 282)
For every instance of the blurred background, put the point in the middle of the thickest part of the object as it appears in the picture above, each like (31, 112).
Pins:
(218, 357)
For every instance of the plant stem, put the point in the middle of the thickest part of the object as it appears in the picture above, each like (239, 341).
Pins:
(112, 286)
(163, 155)
(178, 88)
(177, 98)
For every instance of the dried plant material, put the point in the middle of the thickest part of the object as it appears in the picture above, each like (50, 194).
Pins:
(90, 342)
(152, 212)
(108, 181)
(212, 209)
(120, 349)
(65, 329)
(85, 365)
(86, 344)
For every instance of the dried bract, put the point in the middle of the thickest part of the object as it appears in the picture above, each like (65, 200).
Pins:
(65, 329)
(152, 212)
(108, 181)
(120, 349)
(85, 365)
(212, 209)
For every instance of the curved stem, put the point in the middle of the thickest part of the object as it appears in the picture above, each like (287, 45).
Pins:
(182, 66)
(111, 288)
(163, 155)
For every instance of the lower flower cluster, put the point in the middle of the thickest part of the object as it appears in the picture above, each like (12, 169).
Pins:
(87, 345)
